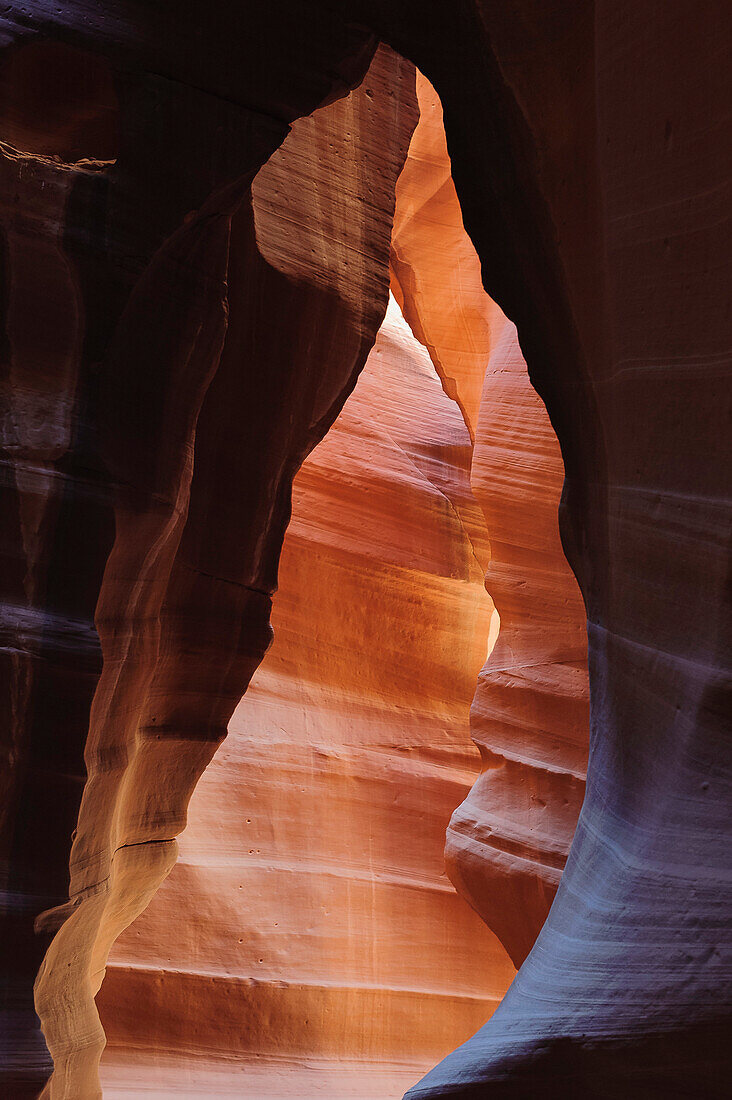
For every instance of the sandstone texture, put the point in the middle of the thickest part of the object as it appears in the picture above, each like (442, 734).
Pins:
(180, 329)
(383, 558)
(300, 938)
(182, 619)
(508, 842)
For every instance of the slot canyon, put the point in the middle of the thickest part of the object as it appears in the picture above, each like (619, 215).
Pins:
(365, 550)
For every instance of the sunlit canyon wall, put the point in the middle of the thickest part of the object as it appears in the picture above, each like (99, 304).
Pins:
(309, 927)
(145, 287)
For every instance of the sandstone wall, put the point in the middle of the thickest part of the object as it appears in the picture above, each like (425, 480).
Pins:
(508, 842)
(309, 927)
(177, 327)
(588, 150)
(314, 849)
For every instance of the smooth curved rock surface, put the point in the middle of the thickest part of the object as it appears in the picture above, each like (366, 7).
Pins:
(195, 618)
(601, 235)
(366, 544)
(508, 842)
(588, 150)
(272, 962)
(368, 547)
(183, 620)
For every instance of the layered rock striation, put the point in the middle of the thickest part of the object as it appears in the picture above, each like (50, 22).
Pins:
(300, 938)
(182, 619)
(588, 153)
(176, 667)
(342, 746)
(596, 200)
(508, 842)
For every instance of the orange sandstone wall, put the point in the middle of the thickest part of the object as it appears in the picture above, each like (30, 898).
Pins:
(309, 924)
(136, 584)
(237, 347)
(508, 842)
(317, 944)
(308, 939)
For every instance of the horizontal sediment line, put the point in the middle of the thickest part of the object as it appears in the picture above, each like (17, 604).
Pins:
(156, 973)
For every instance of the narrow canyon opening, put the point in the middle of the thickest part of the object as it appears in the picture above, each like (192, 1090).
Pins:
(309, 924)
